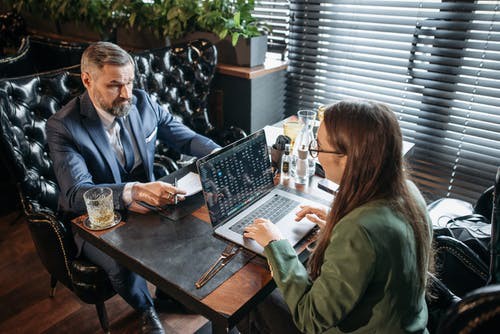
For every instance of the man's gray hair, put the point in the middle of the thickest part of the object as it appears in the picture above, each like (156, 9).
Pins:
(104, 53)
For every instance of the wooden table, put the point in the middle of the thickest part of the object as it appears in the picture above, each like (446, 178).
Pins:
(225, 305)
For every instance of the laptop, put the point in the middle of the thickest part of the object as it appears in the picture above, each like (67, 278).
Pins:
(237, 183)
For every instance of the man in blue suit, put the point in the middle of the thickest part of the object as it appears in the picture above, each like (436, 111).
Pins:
(107, 137)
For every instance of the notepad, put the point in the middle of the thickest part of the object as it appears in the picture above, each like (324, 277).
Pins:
(190, 183)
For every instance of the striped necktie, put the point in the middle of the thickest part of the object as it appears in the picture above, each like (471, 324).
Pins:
(128, 150)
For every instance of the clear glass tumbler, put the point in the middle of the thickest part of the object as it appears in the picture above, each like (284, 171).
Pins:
(99, 203)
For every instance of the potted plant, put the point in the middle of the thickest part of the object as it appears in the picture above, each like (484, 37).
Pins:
(243, 40)
(164, 19)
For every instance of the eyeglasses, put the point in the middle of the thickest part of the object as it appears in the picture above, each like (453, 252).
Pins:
(314, 149)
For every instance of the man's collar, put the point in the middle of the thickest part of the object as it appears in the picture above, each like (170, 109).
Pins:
(106, 118)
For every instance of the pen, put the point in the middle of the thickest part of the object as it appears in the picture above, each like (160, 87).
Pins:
(175, 195)
(149, 206)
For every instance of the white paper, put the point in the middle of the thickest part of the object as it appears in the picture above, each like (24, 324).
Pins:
(190, 183)
(272, 132)
(407, 146)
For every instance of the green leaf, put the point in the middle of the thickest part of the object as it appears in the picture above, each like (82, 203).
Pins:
(235, 38)
(131, 19)
(223, 34)
(172, 13)
(237, 18)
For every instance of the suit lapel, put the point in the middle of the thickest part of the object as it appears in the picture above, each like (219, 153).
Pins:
(136, 125)
(92, 123)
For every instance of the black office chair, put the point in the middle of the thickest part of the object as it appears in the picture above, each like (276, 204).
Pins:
(25, 105)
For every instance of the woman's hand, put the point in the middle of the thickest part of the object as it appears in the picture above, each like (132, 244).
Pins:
(263, 231)
(315, 214)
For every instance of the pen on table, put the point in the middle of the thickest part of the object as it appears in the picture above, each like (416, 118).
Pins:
(175, 195)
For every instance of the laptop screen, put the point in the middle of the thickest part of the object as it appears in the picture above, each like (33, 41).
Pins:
(235, 176)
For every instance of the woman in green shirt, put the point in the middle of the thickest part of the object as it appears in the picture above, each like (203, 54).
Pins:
(367, 273)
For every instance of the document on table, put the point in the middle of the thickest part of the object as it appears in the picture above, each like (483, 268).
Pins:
(190, 183)
(272, 132)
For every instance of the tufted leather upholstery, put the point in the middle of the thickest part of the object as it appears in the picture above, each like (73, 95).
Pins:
(25, 105)
(454, 258)
(476, 313)
(40, 54)
(178, 79)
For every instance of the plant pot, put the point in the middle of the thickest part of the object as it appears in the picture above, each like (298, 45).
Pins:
(140, 39)
(38, 25)
(79, 30)
(248, 52)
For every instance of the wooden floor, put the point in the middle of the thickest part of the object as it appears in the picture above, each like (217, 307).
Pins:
(25, 305)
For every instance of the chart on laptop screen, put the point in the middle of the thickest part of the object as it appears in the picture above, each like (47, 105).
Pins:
(235, 177)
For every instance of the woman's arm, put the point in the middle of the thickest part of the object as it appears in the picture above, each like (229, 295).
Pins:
(345, 274)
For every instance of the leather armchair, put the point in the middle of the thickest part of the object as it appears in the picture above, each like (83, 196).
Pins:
(476, 313)
(25, 105)
(458, 266)
(464, 270)
(454, 257)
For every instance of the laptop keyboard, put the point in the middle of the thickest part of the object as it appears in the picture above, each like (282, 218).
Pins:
(274, 209)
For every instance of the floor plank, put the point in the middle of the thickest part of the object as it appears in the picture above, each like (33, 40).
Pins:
(26, 307)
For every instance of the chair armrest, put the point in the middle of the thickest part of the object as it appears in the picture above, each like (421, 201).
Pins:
(439, 299)
(227, 136)
(163, 165)
(455, 259)
(54, 244)
(90, 282)
(477, 312)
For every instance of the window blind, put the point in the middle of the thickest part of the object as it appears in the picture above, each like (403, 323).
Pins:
(436, 63)
(275, 14)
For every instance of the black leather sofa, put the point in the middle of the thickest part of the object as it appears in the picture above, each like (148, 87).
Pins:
(178, 78)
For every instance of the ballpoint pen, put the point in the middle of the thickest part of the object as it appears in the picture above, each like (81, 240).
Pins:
(175, 195)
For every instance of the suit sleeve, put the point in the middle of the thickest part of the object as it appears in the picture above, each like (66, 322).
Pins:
(71, 169)
(346, 271)
(178, 136)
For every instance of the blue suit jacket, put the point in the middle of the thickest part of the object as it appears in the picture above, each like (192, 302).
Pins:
(83, 156)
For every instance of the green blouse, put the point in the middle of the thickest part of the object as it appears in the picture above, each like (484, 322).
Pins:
(368, 281)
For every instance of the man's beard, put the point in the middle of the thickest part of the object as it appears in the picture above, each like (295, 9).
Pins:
(120, 107)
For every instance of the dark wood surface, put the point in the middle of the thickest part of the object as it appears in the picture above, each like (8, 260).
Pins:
(270, 65)
(25, 305)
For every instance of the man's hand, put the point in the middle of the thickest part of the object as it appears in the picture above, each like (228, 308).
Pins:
(156, 193)
(316, 215)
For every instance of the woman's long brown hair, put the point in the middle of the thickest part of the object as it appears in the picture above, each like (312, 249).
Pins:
(369, 135)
